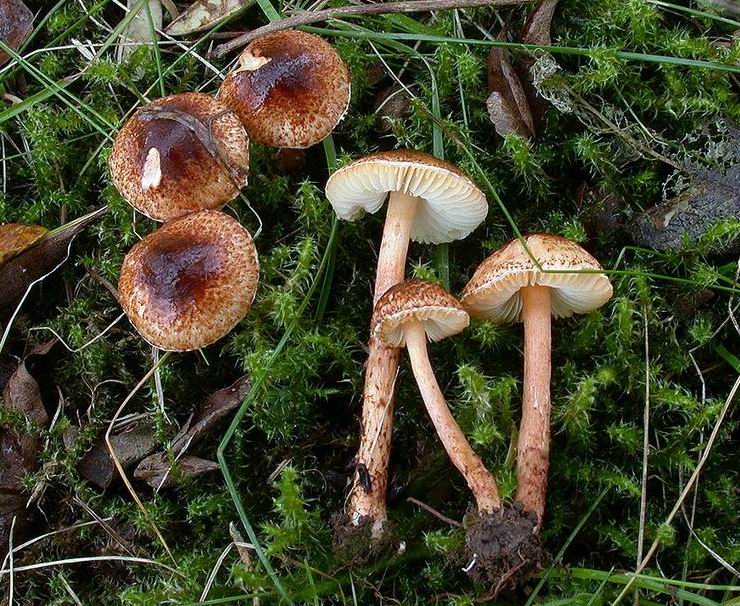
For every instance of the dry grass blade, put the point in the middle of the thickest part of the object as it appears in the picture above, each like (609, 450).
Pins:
(381, 8)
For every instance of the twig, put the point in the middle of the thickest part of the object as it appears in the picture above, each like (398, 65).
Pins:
(381, 8)
(645, 449)
(434, 512)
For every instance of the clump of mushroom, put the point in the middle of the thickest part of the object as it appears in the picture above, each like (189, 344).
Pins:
(510, 286)
(290, 89)
(180, 154)
(189, 283)
(429, 201)
(505, 548)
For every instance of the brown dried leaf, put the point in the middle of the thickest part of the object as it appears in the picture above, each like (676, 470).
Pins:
(713, 195)
(15, 238)
(157, 471)
(204, 14)
(22, 393)
(16, 23)
(211, 412)
(536, 29)
(508, 107)
(131, 446)
(19, 272)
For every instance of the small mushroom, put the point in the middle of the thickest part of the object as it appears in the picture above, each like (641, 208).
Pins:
(429, 201)
(509, 287)
(180, 154)
(189, 283)
(405, 316)
(290, 89)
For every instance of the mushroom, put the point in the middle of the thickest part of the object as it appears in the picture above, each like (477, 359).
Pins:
(509, 287)
(290, 89)
(16, 23)
(180, 154)
(430, 201)
(189, 283)
(405, 316)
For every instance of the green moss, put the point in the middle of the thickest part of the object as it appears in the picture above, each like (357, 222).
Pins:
(615, 121)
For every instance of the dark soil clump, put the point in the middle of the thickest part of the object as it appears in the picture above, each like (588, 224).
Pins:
(502, 550)
(355, 544)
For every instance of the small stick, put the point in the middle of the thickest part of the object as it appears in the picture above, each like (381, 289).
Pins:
(381, 8)
(434, 512)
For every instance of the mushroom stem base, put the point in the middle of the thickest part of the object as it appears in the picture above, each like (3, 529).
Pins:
(479, 479)
(533, 448)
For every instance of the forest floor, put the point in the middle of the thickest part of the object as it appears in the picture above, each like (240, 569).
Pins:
(633, 152)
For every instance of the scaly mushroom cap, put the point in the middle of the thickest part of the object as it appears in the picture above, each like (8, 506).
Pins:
(452, 205)
(290, 89)
(15, 238)
(440, 313)
(180, 154)
(493, 291)
(16, 23)
(189, 283)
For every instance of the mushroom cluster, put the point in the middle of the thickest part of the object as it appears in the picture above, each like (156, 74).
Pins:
(182, 158)
(179, 160)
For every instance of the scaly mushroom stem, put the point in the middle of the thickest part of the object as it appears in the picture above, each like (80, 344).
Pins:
(368, 503)
(479, 479)
(533, 448)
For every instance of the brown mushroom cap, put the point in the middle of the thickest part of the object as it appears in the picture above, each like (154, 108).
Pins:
(15, 238)
(452, 207)
(16, 23)
(493, 291)
(189, 283)
(290, 89)
(439, 312)
(180, 154)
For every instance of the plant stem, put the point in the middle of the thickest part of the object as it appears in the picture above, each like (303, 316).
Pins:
(479, 479)
(381, 8)
(380, 377)
(533, 448)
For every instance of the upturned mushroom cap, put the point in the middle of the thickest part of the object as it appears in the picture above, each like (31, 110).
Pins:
(290, 89)
(493, 291)
(180, 154)
(189, 283)
(439, 312)
(452, 204)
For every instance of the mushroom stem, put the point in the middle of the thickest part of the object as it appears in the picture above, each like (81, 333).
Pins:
(479, 479)
(395, 244)
(368, 502)
(533, 448)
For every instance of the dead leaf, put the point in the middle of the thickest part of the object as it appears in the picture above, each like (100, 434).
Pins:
(16, 23)
(536, 29)
(157, 471)
(712, 196)
(131, 446)
(49, 251)
(205, 14)
(142, 28)
(15, 238)
(211, 412)
(22, 392)
(507, 104)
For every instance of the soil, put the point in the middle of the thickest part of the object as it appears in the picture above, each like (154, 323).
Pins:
(502, 550)
(355, 545)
